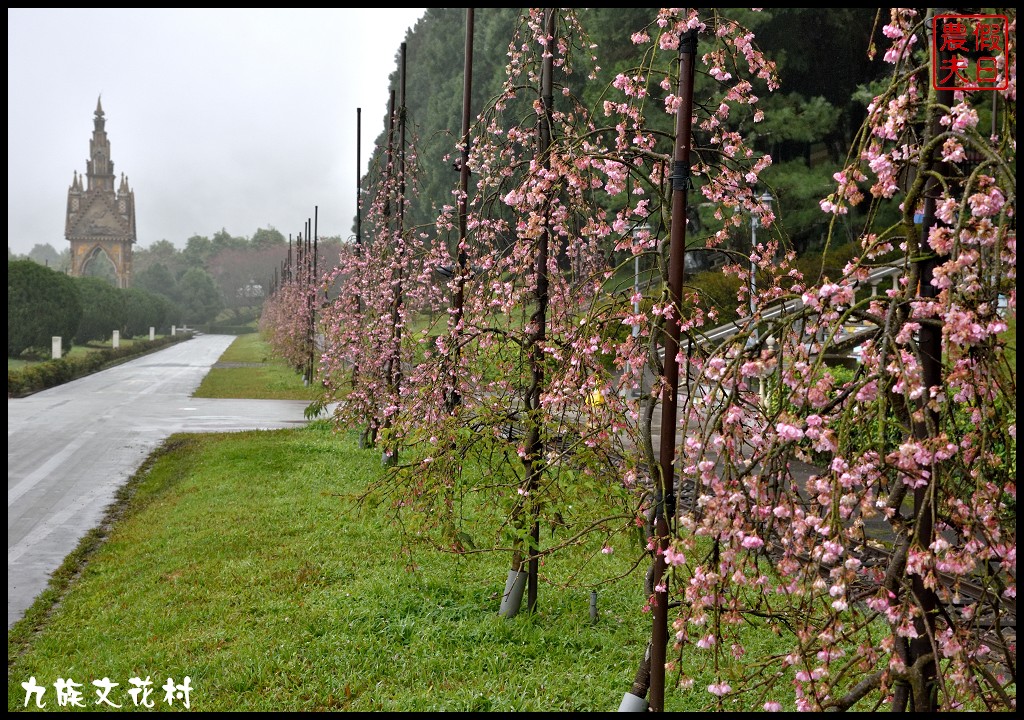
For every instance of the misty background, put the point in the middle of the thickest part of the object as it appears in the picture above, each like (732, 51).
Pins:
(222, 119)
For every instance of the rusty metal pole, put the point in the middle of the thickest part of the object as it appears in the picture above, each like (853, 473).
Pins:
(454, 397)
(930, 347)
(665, 492)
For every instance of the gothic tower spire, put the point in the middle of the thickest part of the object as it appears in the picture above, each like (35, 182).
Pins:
(99, 167)
(100, 221)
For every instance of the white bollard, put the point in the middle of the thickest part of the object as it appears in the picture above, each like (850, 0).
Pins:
(117, 339)
(55, 347)
(174, 329)
(152, 333)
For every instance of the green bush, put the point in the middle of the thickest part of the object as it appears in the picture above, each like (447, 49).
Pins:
(140, 313)
(104, 309)
(217, 329)
(718, 291)
(41, 304)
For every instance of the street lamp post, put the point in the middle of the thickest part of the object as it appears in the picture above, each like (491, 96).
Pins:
(766, 199)
(636, 292)
(770, 343)
(639, 233)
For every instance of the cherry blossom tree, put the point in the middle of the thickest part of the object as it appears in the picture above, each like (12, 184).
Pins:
(866, 517)
(288, 313)
(363, 352)
(871, 520)
(529, 345)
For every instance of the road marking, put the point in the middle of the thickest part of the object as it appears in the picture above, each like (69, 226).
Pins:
(43, 470)
(40, 531)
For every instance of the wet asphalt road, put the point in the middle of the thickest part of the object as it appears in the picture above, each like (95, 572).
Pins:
(70, 447)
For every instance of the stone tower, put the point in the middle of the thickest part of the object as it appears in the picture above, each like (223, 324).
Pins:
(100, 220)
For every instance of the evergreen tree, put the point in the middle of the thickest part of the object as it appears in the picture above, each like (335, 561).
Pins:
(41, 304)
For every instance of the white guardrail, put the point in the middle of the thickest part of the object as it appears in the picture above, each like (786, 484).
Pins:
(720, 334)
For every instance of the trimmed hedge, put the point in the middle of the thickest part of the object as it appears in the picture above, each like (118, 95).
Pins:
(41, 303)
(215, 329)
(40, 376)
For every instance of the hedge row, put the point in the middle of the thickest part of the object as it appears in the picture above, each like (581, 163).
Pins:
(43, 375)
(215, 329)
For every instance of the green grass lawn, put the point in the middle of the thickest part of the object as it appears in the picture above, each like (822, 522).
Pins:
(247, 369)
(244, 562)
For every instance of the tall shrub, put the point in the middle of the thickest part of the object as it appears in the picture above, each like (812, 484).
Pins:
(103, 309)
(41, 304)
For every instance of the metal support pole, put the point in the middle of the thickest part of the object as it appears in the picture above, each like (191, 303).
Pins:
(636, 292)
(665, 493)
(767, 199)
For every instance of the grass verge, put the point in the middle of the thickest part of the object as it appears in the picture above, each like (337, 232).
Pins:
(247, 369)
(244, 562)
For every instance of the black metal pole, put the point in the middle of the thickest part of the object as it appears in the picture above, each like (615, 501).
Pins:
(372, 427)
(391, 452)
(308, 284)
(454, 397)
(314, 295)
(359, 234)
(535, 453)
(359, 181)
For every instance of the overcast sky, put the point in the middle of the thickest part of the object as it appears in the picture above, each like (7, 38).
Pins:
(236, 119)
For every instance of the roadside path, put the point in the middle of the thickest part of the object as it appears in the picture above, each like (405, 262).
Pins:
(69, 449)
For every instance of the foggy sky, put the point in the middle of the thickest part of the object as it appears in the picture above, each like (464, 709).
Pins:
(233, 119)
